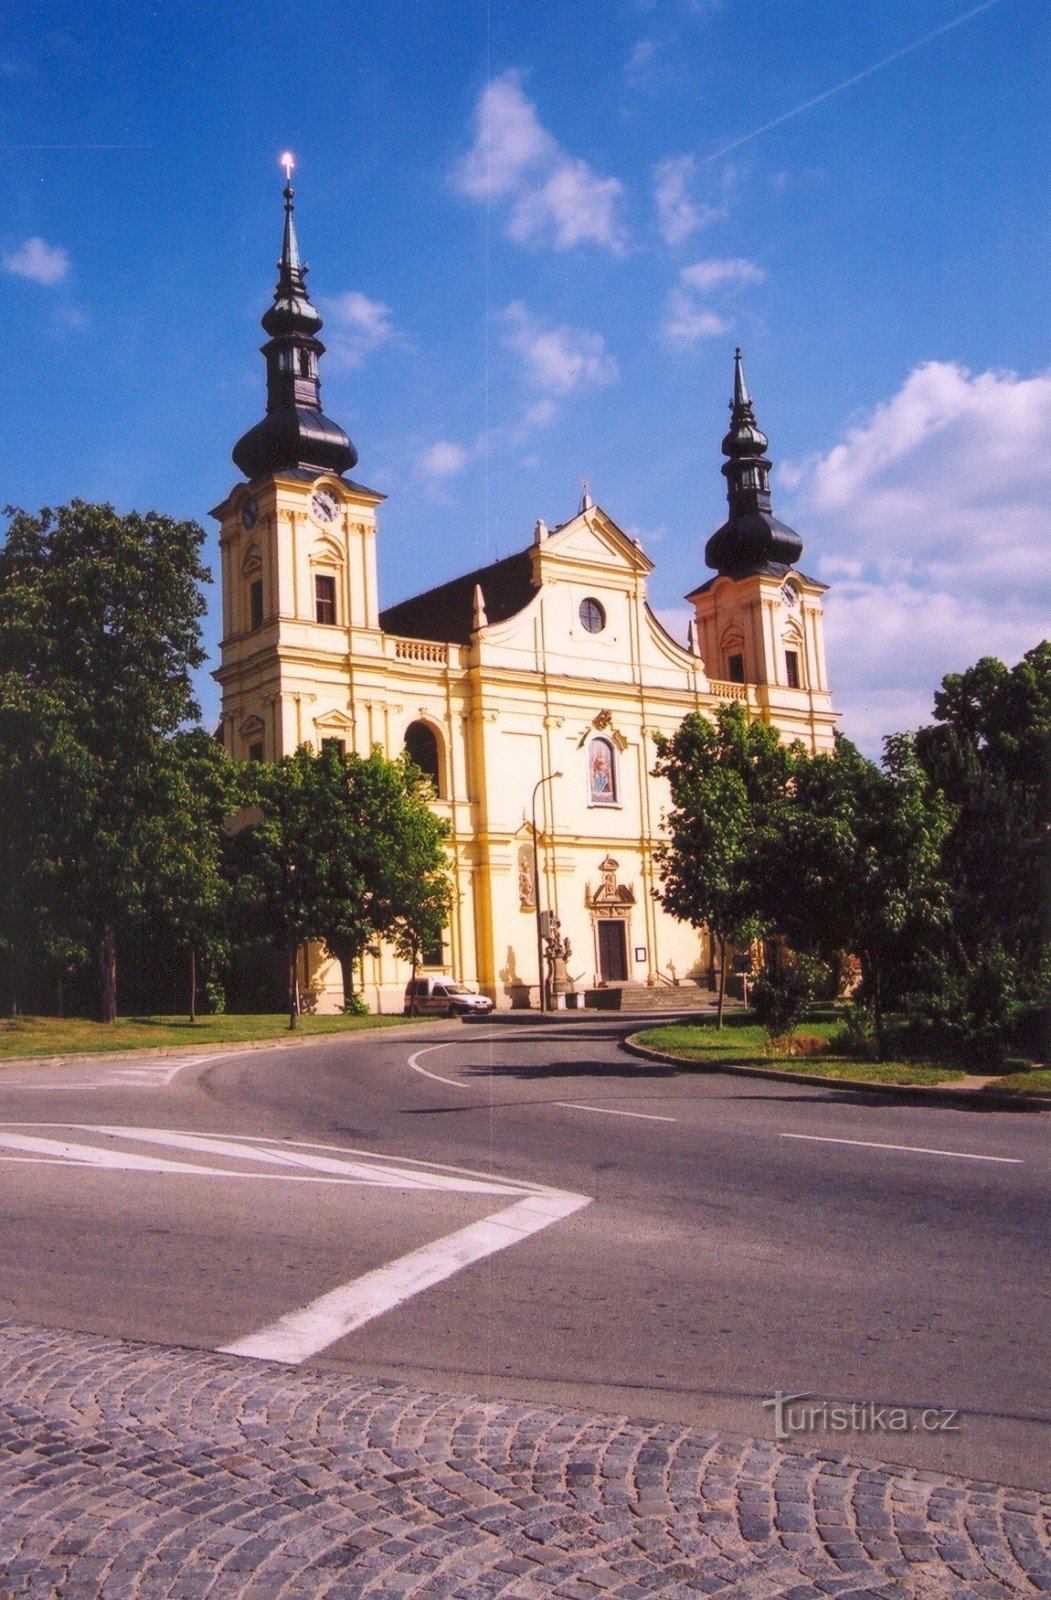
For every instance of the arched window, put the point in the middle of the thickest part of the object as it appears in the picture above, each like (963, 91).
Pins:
(602, 773)
(421, 744)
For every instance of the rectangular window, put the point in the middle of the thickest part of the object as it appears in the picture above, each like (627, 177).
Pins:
(339, 745)
(735, 667)
(255, 603)
(433, 953)
(792, 668)
(325, 599)
(255, 751)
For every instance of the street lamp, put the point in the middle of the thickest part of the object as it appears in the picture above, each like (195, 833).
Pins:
(536, 889)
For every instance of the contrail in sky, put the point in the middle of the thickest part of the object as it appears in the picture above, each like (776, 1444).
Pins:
(847, 83)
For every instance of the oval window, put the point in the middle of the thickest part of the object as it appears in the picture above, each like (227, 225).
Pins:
(592, 615)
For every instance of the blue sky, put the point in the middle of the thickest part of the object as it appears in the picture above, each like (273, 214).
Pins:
(536, 232)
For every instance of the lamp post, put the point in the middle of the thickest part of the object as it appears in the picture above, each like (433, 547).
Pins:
(536, 889)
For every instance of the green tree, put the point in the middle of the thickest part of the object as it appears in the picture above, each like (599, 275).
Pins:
(727, 778)
(857, 865)
(99, 622)
(347, 852)
(988, 753)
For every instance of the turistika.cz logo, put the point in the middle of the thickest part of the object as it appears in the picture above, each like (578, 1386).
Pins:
(800, 1413)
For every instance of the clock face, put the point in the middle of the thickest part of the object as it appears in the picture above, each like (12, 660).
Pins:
(789, 594)
(250, 513)
(324, 507)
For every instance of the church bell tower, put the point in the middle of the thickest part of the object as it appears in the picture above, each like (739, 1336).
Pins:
(297, 539)
(759, 620)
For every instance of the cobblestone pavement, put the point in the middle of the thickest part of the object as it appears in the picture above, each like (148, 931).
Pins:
(132, 1472)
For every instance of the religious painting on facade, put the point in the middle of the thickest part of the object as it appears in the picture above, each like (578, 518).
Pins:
(602, 779)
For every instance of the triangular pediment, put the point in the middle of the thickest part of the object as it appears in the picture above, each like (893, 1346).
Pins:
(335, 719)
(592, 540)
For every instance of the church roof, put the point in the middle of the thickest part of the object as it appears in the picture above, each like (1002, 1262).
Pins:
(447, 612)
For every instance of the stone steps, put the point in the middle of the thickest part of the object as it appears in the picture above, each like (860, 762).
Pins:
(640, 997)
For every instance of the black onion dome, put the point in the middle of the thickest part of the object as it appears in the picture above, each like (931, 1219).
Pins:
(295, 431)
(752, 539)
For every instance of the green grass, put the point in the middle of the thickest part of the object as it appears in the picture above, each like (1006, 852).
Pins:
(50, 1036)
(1036, 1081)
(744, 1044)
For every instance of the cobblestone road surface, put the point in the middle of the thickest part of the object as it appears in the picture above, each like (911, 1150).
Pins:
(131, 1472)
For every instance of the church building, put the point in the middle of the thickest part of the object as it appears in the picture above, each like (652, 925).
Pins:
(532, 687)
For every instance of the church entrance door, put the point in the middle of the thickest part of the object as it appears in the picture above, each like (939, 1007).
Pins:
(612, 950)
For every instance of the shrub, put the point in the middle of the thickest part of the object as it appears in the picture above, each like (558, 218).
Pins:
(780, 998)
(856, 1035)
(355, 1005)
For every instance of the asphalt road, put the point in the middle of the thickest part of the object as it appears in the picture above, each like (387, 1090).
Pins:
(533, 1214)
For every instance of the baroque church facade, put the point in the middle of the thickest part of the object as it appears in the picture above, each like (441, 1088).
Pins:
(533, 686)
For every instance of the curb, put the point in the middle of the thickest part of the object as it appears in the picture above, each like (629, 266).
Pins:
(918, 1094)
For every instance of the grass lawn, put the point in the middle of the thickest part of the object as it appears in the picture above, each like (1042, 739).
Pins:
(1036, 1081)
(742, 1043)
(50, 1036)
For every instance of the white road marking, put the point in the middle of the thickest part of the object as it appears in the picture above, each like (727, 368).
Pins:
(300, 1334)
(151, 1074)
(323, 1164)
(607, 1111)
(914, 1149)
(414, 1063)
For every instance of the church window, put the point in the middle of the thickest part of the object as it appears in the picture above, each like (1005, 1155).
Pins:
(284, 360)
(735, 668)
(339, 745)
(592, 615)
(255, 751)
(324, 598)
(602, 773)
(304, 363)
(255, 603)
(792, 668)
(748, 478)
(421, 745)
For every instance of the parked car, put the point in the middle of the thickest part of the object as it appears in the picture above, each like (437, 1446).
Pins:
(443, 997)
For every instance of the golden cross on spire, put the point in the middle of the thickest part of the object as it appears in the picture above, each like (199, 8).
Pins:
(287, 161)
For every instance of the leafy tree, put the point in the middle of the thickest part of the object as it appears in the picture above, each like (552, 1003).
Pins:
(99, 629)
(988, 753)
(347, 852)
(727, 779)
(859, 866)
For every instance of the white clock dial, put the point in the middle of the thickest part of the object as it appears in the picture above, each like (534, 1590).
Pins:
(250, 513)
(789, 594)
(324, 507)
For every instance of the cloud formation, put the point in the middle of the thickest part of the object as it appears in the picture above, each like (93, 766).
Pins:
(357, 326)
(678, 213)
(551, 198)
(687, 319)
(931, 518)
(557, 360)
(43, 263)
(443, 460)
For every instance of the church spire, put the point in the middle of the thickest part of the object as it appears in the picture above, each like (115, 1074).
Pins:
(295, 433)
(752, 539)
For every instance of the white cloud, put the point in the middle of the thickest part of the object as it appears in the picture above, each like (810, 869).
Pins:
(553, 198)
(932, 519)
(41, 262)
(558, 360)
(678, 213)
(686, 322)
(358, 326)
(442, 460)
(686, 319)
(720, 273)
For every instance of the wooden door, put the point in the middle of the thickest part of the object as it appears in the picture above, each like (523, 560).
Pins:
(612, 951)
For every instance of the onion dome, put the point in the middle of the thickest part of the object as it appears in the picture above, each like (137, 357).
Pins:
(294, 433)
(751, 539)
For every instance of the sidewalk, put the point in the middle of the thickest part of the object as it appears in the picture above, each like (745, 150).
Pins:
(133, 1472)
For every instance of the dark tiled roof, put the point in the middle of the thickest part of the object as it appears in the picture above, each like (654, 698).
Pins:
(447, 613)
(770, 569)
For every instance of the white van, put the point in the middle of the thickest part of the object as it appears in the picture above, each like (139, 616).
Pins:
(443, 997)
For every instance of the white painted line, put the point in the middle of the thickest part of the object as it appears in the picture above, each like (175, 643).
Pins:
(414, 1060)
(300, 1334)
(607, 1111)
(914, 1149)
